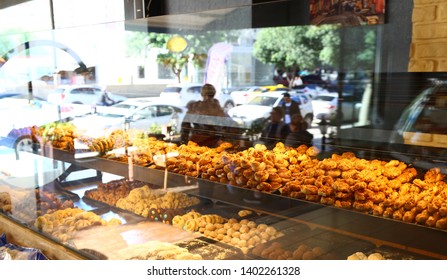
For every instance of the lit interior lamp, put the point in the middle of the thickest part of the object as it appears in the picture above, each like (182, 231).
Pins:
(177, 44)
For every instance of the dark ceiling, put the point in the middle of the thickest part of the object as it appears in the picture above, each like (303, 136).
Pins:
(9, 3)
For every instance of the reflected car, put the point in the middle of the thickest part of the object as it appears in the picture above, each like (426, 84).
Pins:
(258, 109)
(145, 114)
(83, 94)
(325, 106)
(182, 95)
(420, 134)
(243, 95)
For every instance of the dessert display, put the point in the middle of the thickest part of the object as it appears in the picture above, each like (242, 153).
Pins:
(392, 189)
(259, 168)
(112, 191)
(156, 250)
(141, 200)
(386, 188)
(194, 160)
(389, 189)
(63, 224)
(164, 215)
(39, 202)
(277, 251)
(60, 135)
(210, 250)
(101, 144)
(243, 234)
(27, 204)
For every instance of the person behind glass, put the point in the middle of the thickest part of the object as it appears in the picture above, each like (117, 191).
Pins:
(297, 82)
(299, 134)
(290, 107)
(276, 129)
(200, 129)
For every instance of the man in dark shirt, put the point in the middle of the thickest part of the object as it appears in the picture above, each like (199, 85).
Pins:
(290, 107)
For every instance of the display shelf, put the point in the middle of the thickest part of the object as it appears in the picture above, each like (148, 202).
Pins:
(140, 173)
(376, 230)
(379, 230)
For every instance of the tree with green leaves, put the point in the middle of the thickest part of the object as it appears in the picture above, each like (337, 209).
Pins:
(294, 48)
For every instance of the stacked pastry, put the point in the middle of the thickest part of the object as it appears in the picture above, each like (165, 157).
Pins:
(382, 188)
(39, 202)
(193, 160)
(259, 168)
(63, 224)
(142, 200)
(277, 251)
(60, 135)
(243, 234)
(114, 190)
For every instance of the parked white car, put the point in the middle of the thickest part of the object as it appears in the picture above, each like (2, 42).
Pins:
(243, 95)
(259, 107)
(145, 114)
(325, 105)
(183, 94)
(83, 94)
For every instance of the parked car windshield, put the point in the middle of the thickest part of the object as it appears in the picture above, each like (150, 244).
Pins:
(263, 101)
(324, 98)
(108, 115)
(117, 111)
(172, 89)
(124, 106)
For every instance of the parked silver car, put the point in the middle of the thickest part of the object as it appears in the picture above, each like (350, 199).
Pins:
(325, 106)
(148, 114)
(84, 94)
(260, 106)
(183, 94)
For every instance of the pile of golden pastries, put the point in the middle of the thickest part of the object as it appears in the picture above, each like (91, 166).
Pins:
(278, 251)
(63, 224)
(112, 191)
(391, 189)
(244, 234)
(60, 135)
(142, 200)
(38, 202)
(27, 204)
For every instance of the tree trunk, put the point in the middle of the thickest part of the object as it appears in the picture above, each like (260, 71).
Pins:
(177, 73)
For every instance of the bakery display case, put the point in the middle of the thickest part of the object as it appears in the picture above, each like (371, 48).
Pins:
(227, 203)
(359, 192)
